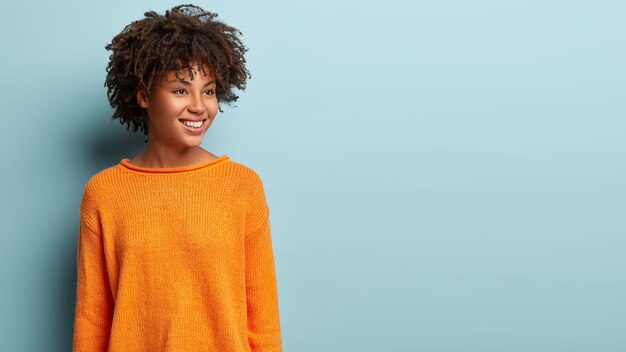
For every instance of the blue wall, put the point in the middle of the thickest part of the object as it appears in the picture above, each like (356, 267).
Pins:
(443, 176)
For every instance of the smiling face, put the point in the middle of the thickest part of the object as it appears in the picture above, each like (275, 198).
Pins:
(180, 111)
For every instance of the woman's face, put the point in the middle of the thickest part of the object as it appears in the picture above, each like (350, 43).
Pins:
(175, 101)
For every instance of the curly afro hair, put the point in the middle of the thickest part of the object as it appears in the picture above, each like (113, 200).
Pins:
(147, 49)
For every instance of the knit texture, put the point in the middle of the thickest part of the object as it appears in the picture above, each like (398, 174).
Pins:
(176, 259)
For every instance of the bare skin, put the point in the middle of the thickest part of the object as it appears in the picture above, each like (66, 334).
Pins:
(170, 144)
(205, 156)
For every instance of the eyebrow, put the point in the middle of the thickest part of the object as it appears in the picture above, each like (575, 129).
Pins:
(187, 83)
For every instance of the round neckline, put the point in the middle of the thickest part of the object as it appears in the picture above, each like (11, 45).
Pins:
(125, 162)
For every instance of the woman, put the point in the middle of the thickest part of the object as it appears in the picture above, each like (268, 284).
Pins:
(175, 250)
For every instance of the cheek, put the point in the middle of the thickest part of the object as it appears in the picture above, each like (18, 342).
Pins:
(213, 108)
(166, 107)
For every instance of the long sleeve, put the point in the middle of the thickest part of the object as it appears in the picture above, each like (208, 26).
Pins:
(176, 259)
(261, 290)
(94, 301)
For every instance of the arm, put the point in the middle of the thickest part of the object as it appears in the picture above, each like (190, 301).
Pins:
(94, 300)
(262, 296)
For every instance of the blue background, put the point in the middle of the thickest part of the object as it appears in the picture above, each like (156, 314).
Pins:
(443, 176)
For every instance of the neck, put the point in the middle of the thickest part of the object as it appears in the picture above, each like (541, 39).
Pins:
(160, 156)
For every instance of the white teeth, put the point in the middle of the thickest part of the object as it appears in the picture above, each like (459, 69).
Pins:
(193, 124)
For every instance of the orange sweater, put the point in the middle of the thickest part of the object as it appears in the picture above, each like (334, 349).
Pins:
(176, 259)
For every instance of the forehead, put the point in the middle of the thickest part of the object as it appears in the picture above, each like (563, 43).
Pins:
(203, 72)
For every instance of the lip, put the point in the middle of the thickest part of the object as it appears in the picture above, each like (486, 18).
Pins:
(193, 130)
(192, 119)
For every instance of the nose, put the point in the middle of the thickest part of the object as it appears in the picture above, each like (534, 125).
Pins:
(196, 105)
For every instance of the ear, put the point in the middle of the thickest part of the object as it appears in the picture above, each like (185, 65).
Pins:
(142, 98)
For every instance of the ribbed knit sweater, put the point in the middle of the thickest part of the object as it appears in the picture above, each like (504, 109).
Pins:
(176, 259)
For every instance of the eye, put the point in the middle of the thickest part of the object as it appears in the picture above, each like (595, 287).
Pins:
(179, 91)
(209, 91)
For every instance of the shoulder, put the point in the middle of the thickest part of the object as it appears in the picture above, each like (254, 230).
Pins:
(92, 197)
(100, 179)
(251, 185)
(99, 185)
(247, 177)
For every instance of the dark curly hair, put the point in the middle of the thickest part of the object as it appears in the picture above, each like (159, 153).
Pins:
(146, 49)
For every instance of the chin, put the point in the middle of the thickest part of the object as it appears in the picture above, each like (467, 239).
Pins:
(193, 142)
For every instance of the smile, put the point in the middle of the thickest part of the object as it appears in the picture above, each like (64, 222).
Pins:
(192, 124)
(194, 127)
